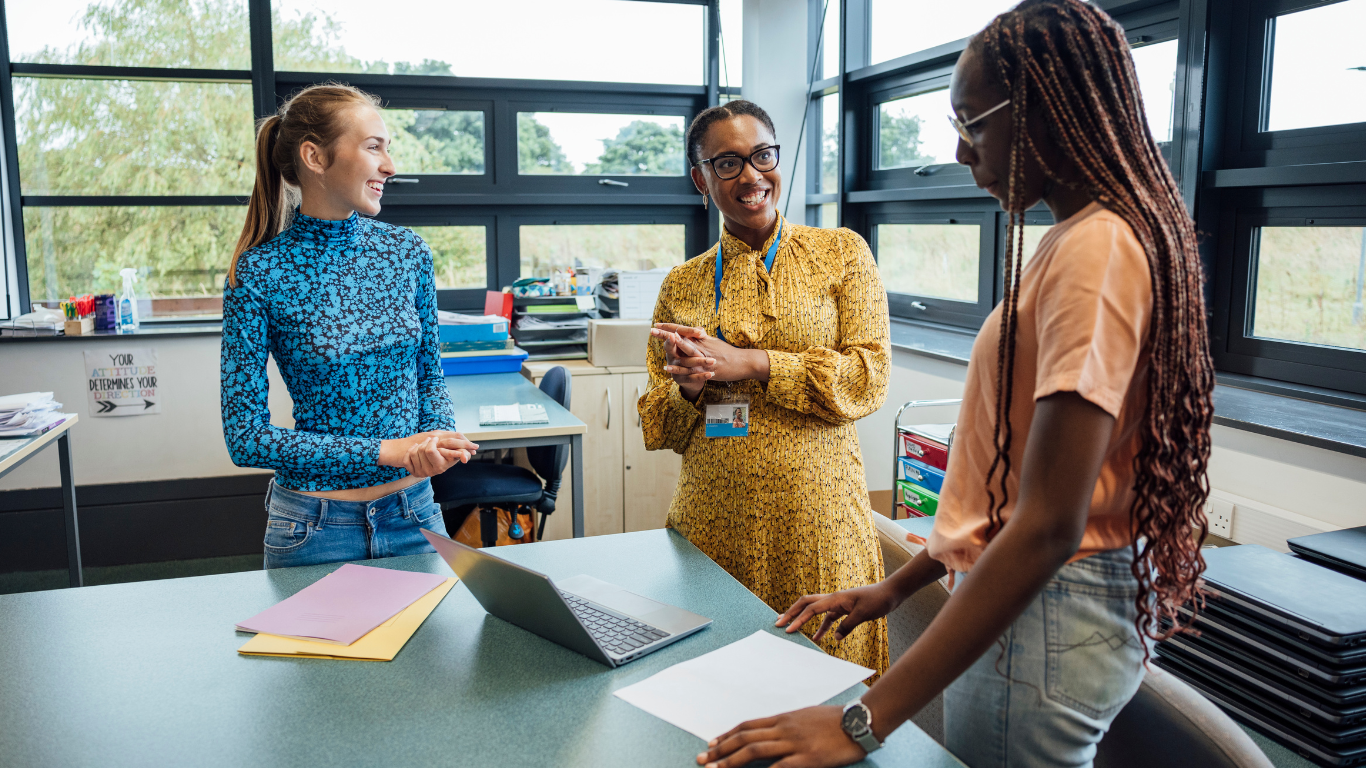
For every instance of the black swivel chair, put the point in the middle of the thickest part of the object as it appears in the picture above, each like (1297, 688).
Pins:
(489, 484)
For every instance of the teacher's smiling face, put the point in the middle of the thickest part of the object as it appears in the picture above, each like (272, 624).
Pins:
(749, 201)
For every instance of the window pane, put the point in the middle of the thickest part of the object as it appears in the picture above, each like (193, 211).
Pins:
(830, 144)
(435, 140)
(124, 33)
(180, 252)
(122, 137)
(732, 44)
(459, 255)
(915, 131)
(830, 42)
(1309, 285)
(1318, 67)
(1033, 235)
(610, 246)
(568, 143)
(930, 259)
(607, 40)
(830, 216)
(1156, 68)
(901, 27)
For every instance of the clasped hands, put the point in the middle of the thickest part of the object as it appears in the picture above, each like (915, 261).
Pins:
(692, 358)
(427, 453)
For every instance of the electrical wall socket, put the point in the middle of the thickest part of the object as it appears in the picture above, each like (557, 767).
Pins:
(1219, 512)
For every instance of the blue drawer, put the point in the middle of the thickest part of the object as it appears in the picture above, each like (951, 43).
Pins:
(920, 473)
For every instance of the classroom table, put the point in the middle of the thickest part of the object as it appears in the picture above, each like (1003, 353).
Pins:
(148, 674)
(471, 391)
(16, 451)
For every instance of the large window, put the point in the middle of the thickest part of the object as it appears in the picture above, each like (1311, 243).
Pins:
(1318, 67)
(1308, 285)
(519, 146)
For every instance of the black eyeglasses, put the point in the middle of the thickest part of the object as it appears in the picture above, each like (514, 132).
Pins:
(727, 167)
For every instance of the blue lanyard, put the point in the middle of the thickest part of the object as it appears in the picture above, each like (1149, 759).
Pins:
(768, 266)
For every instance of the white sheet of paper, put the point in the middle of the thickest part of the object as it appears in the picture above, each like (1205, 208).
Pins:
(507, 412)
(760, 676)
(639, 291)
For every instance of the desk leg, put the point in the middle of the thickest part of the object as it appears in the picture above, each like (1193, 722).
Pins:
(576, 459)
(73, 533)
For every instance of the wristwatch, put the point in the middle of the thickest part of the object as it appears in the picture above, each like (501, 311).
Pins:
(858, 723)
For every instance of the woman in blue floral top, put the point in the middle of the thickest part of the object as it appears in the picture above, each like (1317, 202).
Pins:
(347, 306)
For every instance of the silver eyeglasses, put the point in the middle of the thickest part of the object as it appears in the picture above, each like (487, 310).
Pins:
(962, 127)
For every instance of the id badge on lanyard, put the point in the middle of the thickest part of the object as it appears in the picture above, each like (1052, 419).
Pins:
(729, 416)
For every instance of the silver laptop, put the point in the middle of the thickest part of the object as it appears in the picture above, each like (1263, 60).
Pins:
(599, 620)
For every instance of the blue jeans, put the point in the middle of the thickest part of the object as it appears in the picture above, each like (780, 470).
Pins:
(1047, 691)
(308, 530)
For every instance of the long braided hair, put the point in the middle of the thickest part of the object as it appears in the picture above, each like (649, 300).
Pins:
(1073, 61)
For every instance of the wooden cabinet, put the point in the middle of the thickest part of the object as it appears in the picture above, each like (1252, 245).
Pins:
(625, 487)
(649, 477)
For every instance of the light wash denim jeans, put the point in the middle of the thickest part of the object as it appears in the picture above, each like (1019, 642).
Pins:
(307, 530)
(1046, 692)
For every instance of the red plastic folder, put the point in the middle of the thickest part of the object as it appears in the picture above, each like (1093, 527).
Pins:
(344, 605)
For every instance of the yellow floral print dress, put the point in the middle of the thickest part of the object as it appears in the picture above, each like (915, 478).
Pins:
(785, 509)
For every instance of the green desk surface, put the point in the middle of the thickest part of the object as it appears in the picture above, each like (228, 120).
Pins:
(148, 674)
(470, 392)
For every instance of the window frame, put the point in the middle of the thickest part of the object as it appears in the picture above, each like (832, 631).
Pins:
(492, 199)
(939, 309)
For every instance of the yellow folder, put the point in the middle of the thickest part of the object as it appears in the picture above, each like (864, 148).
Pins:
(380, 644)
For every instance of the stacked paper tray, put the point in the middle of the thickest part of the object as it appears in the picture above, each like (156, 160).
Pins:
(464, 366)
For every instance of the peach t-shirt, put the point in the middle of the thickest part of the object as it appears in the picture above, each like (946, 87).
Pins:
(1085, 304)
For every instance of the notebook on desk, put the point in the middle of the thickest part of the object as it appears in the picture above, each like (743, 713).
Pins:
(517, 414)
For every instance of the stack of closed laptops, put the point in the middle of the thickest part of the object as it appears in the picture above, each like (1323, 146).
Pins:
(921, 460)
(1281, 646)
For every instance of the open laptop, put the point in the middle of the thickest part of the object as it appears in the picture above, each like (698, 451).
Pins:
(1344, 550)
(599, 620)
(1314, 603)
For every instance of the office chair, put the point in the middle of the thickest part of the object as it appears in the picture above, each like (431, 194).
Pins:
(1166, 723)
(491, 485)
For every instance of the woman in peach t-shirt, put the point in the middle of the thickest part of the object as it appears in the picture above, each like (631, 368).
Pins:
(1077, 477)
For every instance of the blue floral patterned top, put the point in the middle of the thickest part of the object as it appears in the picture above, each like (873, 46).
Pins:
(348, 309)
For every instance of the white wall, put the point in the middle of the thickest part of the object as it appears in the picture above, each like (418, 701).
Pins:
(1280, 488)
(185, 440)
(775, 72)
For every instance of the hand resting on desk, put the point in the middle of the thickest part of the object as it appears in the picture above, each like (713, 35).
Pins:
(427, 453)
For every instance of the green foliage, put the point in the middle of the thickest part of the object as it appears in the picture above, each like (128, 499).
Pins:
(458, 255)
(899, 141)
(929, 259)
(1307, 285)
(641, 148)
(203, 34)
(611, 246)
(434, 141)
(536, 151)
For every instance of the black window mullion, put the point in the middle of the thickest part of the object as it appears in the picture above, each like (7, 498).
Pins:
(11, 149)
(262, 58)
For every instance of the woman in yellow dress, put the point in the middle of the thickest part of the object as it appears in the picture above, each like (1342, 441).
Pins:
(796, 328)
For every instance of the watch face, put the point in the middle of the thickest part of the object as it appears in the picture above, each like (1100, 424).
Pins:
(855, 719)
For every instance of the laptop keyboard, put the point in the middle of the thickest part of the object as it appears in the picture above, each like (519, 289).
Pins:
(615, 633)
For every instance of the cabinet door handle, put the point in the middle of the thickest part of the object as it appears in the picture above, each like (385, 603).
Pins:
(638, 423)
(609, 409)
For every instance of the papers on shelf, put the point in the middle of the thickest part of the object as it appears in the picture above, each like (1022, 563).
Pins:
(381, 644)
(29, 414)
(454, 318)
(760, 676)
(530, 322)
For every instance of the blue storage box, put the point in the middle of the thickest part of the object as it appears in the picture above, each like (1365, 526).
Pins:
(463, 366)
(920, 473)
(473, 332)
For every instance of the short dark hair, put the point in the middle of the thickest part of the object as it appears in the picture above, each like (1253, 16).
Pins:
(709, 117)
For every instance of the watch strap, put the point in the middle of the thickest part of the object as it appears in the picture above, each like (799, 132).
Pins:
(863, 737)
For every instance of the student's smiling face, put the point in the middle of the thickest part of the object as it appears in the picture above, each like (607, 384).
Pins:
(749, 200)
(358, 163)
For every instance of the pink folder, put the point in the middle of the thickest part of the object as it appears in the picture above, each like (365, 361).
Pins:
(343, 605)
